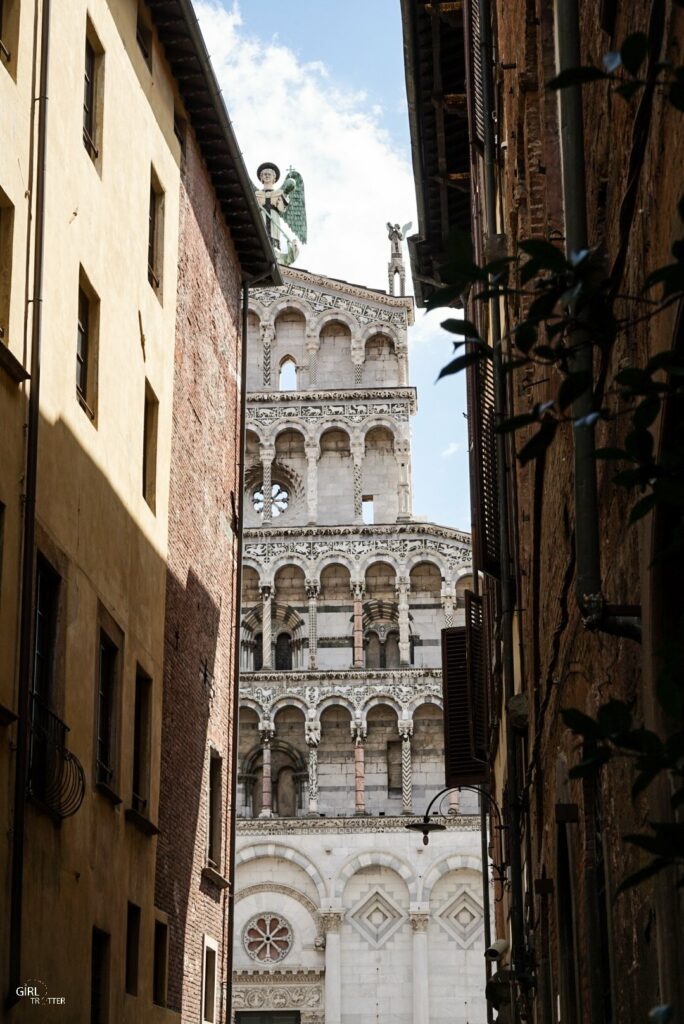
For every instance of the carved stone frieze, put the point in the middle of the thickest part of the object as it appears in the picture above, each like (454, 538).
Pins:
(330, 410)
(360, 823)
(426, 530)
(356, 695)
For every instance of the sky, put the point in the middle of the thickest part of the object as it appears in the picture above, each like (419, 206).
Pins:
(319, 85)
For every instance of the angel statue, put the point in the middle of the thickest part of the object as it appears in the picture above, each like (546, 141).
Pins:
(283, 210)
(395, 266)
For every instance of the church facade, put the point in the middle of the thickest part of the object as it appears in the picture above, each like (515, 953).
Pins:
(343, 916)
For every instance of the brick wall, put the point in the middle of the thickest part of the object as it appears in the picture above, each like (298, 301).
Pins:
(200, 599)
(563, 665)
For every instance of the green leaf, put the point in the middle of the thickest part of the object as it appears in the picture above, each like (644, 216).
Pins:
(581, 724)
(574, 385)
(633, 51)
(464, 328)
(525, 336)
(576, 76)
(642, 507)
(546, 254)
(643, 874)
(539, 442)
(628, 89)
(460, 363)
(444, 297)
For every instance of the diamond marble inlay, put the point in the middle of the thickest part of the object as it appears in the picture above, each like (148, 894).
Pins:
(376, 918)
(461, 918)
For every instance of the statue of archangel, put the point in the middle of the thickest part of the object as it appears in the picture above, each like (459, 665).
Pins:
(283, 210)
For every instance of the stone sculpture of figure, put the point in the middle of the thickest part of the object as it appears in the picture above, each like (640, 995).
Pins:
(395, 266)
(283, 210)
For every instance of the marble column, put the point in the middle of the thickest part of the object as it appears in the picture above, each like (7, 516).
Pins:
(312, 349)
(402, 356)
(267, 339)
(357, 362)
(406, 732)
(403, 586)
(357, 456)
(358, 588)
(358, 731)
(266, 652)
(420, 918)
(332, 921)
(402, 454)
(454, 802)
(312, 589)
(312, 453)
(448, 599)
(267, 456)
(267, 733)
(313, 738)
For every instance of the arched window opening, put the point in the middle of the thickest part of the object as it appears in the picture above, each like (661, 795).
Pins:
(392, 651)
(288, 375)
(286, 793)
(283, 652)
(374, 651)
(258, 652)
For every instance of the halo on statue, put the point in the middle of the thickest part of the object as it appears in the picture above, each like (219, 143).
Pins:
(268, 167)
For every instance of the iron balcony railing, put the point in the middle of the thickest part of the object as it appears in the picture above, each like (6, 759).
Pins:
(56, 776)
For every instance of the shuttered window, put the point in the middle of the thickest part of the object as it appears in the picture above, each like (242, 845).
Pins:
(476, 92)
(483, 466)
(477, 676)
(462, 766)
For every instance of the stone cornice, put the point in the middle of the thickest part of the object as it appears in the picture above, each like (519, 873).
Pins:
(361, 532)
(301, 975)
(366, 824)
(332, 677)
(332, 395)
(345, 288)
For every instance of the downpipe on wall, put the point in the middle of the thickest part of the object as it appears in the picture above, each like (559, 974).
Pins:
(596, 613)
(29, 532)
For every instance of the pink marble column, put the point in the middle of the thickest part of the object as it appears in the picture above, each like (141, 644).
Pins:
(357, 588)
(358, 730)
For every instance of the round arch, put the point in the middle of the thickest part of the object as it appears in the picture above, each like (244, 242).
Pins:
(452, 862)
(332, 558)
(381, 555)
(287, 303)
(432, 558)
(282, 889)
(425, 699)
(373, 858)
(334, 700)
(258, 309)
(340, 315)
(289, 701)
(260, 850)
(379, 699)
(390, 332)
(253, 705)
(334, 425)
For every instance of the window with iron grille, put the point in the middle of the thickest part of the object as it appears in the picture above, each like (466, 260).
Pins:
(141, 742)
(107, 682)
(214, 823)
(160, 963)
(155, 234)
(45, 630)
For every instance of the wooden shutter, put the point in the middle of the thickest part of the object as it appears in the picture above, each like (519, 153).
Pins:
(477, 113)
(476, 660)
(462, 767)
(483, 464)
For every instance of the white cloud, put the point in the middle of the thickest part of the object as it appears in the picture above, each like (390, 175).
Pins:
(291, 112)
(453, 449)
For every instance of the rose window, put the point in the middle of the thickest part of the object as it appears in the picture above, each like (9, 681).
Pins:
(280, 499)
(267, 938)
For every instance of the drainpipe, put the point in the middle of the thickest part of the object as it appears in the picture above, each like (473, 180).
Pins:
(596, 614)
(518, 957)
(239, 503)
(26, 607)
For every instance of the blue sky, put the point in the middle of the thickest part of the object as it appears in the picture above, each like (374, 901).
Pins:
(319, 84)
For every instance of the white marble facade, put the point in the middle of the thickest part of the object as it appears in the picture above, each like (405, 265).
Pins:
(342, 915)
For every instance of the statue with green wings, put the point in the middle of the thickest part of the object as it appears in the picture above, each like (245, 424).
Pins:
(283, 210)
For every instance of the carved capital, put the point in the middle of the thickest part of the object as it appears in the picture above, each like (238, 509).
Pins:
(312, 733)
(359, 730)
(420, 920)
(330, 919)
(266, 591)
(268, 333)
(405, 727)
(267, 452)
(267, 731)
(312, 588)
(358, 589)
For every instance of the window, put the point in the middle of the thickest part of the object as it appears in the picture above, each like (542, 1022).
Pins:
(45, 631)
(99, 978)
(288, 375)
(214, 810)
(93, 92)
(160, 964)
(280, 499)
(180, 129)
(2, 543)
(107, 680)
(9, 35)
(141, 742)
(283, 652)
(132, 948)
(394, 768)
(258, 652)
(209, 983)
(87, 347)
(149, 463)
(143, 36)
(367, 509)
(155, 234)
(6, 239)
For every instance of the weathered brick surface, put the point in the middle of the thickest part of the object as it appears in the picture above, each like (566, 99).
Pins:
(564, 665)
(199, 682)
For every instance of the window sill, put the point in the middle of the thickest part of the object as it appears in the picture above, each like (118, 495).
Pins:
(108, 792)
(11, 365)
(215, 877)
(86, 408)
(142, 823)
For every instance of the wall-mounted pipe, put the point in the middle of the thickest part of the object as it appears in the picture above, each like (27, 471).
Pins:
(29, 533)
(596, 614)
